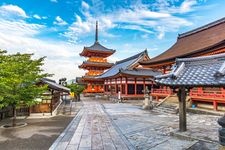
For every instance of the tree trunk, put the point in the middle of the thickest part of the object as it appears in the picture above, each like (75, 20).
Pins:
(14, 116)
(78, 97)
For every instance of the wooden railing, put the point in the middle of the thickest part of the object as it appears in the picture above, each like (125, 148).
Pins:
(208, 94)
(162, 91)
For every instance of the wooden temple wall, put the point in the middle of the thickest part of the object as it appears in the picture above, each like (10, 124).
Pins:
(128, 86)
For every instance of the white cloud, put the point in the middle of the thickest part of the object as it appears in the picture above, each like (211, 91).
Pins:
(36, 16)
(137, 17)
(187, 5)
(17, 35)
(19, 28)
(85, 5)
(59, 21)
(8, 11)
(54, 1)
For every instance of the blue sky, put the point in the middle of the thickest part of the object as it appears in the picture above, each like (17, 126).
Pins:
(59, 29)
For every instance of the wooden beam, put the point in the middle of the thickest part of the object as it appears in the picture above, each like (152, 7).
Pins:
(182, 109)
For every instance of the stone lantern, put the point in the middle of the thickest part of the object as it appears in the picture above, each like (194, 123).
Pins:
(148, 104)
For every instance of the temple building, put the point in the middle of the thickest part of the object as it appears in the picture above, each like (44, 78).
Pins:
(128, 77)
(204, 71)
(203, 41)
(95, 65)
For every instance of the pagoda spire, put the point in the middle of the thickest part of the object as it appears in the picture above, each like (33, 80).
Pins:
(96, 32)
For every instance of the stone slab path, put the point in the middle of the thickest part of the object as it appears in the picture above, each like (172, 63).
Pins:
(91, 129)
(105, 126)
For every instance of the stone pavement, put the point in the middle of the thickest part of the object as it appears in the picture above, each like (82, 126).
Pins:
(124, 126)
(159, 131)
(91, 129)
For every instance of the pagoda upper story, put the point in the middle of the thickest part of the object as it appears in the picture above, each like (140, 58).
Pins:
(95, 65)
(97, 50)
(97, 55)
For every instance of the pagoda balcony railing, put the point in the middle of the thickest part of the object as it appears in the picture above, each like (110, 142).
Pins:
(208, 94)
(91, 61)
(161, 92)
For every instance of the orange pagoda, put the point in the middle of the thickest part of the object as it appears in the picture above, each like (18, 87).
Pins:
(95, 65)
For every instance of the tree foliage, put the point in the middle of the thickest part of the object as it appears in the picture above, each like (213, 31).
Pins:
(76, 88)
(19, 74)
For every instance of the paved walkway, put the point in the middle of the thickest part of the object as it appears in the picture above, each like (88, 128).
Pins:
(107, 126)
(91, 129)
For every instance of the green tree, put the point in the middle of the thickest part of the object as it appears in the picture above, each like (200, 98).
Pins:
(77, 89)
(19, 74)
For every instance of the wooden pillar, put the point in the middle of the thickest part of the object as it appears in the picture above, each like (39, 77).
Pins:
(182, 109)
(135, 86)
(51, 107)
(215, 105)
(164, 69)
(126, 86)
(115, 85)
(144, 83)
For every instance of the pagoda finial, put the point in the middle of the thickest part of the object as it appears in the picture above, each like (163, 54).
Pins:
(96, 32)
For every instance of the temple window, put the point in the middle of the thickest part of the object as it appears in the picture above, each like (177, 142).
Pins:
(130, 89)
(140, 88)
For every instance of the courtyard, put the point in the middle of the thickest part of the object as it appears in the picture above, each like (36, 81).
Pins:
(104, 125)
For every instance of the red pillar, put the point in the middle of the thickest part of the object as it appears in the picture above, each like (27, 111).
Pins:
(214, 105)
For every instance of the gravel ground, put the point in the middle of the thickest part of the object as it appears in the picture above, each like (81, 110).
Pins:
(39, 134)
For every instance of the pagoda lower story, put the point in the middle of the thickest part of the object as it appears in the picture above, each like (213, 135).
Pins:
(93, 85)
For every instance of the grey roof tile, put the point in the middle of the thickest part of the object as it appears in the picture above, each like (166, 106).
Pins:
(142, 72)
(54, 85)
(99, 47)
(199, 71)
(123, 64)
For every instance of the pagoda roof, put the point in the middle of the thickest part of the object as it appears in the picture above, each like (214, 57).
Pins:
(90, 78)
(98, 49)
(207, 71)
(86, 64)
(199, 40)
(125, 64)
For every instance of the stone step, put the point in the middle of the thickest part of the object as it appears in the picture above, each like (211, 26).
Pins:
(166, 109)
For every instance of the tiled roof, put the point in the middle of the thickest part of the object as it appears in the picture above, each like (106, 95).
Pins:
(96, 64)
(192, 42)
(123, 64)
(199, 71)
(91, 78)
(97, 46)
(54, 85)
(141, 72)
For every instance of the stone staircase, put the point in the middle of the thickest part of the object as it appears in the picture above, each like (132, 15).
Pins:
(169, 105)
(66, 109)
(166, 109)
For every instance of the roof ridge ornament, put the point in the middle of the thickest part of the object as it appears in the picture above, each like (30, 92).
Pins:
(221, 71)
(178, 70)
(96, 32)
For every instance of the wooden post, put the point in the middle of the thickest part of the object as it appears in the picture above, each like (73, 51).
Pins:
(126, 86)
(182, 109)
(51, 107)
(135, 86)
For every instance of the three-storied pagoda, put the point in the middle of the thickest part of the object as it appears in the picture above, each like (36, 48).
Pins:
(96, 64)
